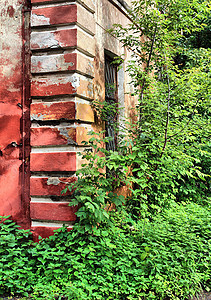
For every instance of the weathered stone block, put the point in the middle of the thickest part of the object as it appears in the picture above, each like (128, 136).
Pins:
(84, 112)
(54, 15)
(64, 14)
(46, 136)
(86, 88)
(89, 4)
(82, 135)
(44, 231)
(52, 211)
(85, 18)
(62, 62)
(63, 38)
(49, 186)
(86, 42)
(53, 111)
(85, 65)
(49, 162)
(54, 63)
(62, 85)
(42, 1)
(54, 85)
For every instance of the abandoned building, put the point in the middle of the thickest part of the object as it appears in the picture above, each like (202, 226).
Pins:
(55, 59)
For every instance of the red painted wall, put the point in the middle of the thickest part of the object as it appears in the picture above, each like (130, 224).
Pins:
(14, 98)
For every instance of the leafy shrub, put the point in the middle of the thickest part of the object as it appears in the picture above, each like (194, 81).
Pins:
(16, 264)
(179, 258)
(94, 190)
(167, 258)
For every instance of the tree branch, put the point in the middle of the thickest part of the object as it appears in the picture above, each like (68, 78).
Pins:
(146, 73)
(167, 119)
(167, 113)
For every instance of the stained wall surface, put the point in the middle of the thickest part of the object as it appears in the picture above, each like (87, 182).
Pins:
(13, 93)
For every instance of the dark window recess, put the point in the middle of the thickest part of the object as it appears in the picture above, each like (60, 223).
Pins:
(124, 4)
(110, 97)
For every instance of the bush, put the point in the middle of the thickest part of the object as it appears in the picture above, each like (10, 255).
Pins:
(16, 265)
(179, 257)
(167, 258)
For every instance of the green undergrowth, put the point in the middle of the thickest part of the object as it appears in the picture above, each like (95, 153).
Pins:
(165, 258)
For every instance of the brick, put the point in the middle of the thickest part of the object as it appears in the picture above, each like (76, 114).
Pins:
(84, 112)
(86, 42)
(85, 65)
(53, 111)
(85, 18)
(46, 136)
(54, 85)
(90, 4)
(64, 14)
(80, 161)
(52, 186)
(54, 63)
(82, 135)
(43, 231)
(52, 211)
(86, 88)
(49, 162)
(62, 62)
(54, 15)
(54, 39)
(63, 38)
(62, 85)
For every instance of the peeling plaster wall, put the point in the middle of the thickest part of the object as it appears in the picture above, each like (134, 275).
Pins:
(12, 32)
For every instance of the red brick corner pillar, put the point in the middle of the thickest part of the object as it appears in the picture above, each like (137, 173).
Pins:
(14, 110)
(63, 47)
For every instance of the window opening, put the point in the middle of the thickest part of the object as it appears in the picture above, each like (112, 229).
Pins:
(111, 98)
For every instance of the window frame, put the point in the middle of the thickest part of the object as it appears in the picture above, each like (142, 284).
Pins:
(109, 59)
